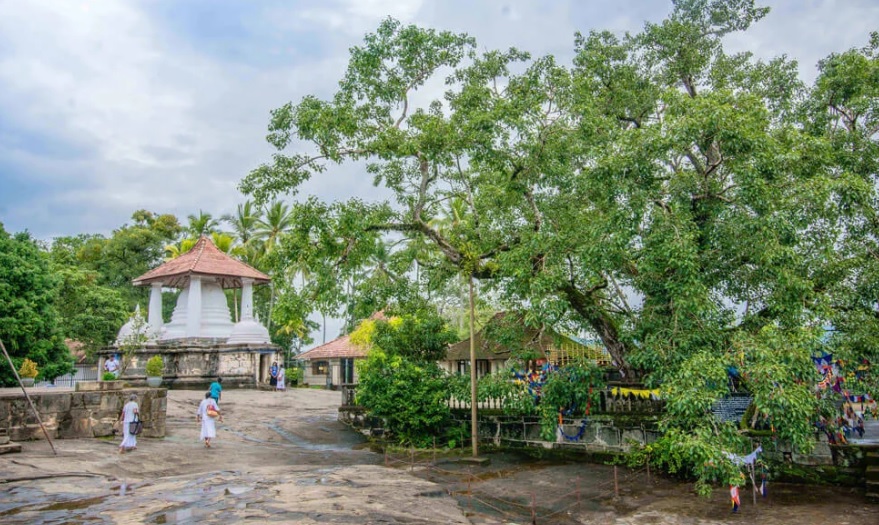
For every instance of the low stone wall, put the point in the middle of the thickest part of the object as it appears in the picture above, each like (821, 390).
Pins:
(86, 414)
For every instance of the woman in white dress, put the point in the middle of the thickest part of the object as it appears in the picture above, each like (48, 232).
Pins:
(208, 423)
(129, 411)
(281, 377)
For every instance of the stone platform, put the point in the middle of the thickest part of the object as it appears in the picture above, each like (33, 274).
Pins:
(193, 364)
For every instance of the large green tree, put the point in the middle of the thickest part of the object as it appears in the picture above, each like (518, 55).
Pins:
(89, 313)
(129, 252)
(682, 203)
(28, 319)
(843, 114)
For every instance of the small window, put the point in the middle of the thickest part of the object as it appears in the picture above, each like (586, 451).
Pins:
(320, 368)
(483, 367)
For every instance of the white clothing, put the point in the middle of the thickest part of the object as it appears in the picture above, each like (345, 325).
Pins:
(208, 424)
(128, 412)
(281, 374)
(112, 366)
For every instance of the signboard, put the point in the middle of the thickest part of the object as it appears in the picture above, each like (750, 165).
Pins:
(731, 408)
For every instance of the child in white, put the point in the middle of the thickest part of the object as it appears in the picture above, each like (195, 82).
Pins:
(208, 424)
(281, 377)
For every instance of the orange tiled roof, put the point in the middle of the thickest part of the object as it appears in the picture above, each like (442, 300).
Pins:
(203, 259)
(337, 348)
(340, 347)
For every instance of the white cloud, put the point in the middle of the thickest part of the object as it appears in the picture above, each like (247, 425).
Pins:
(142, 116)
(165, 125)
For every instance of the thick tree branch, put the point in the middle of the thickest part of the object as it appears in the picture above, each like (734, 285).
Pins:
(586, 304)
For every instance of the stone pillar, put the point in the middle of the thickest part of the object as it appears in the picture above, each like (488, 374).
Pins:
(155, 314)
(193, 307)
(247, 299)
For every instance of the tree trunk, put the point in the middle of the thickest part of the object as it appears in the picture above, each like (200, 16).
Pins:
(587, 306)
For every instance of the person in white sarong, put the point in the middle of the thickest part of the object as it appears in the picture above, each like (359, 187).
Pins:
(208, 423)
(129, 411)
(281, 387)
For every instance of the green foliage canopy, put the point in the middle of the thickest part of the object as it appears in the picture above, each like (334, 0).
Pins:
(28, 318)
(692, 208)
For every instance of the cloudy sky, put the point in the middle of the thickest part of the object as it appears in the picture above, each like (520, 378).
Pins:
(108, 106)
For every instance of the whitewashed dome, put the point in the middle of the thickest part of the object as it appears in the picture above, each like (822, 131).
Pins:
(215, 318)
(128, 329)
(249, 331)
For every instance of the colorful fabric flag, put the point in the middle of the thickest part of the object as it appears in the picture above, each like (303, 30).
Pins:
(639, 392)
(744, 460)
(734, 496)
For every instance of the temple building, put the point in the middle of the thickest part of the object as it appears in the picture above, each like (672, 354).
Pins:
(201, 341)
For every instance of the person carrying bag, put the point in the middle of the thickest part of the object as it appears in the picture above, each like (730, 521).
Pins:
(131, 425)
(136, 426)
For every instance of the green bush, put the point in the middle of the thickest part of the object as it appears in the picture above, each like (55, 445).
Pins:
(412, 398)
(155, 366)
(295, 375)
(109, 376)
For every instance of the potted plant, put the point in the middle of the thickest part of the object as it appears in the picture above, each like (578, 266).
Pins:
(154, 368)
(28, 371)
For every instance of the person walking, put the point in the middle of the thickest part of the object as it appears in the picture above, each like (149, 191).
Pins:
(129, 412)
(207, 414)
(273, 371)
(216, 390)
(281, 386)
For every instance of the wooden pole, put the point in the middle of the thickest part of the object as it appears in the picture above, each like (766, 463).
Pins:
(469, 489)
(616, 485)
(578, 494)
(474, 429)
(752, 468)
(31, 403)
(533, 509)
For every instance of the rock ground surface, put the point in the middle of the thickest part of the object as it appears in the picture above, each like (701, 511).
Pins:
(284, 458)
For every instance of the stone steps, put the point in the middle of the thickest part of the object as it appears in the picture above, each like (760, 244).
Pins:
(7, 446)
(10, 448)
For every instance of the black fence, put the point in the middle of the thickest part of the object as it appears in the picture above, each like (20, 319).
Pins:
(612, 400)
(69, 380)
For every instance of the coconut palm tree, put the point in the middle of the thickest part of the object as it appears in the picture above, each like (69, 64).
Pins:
(224, 242)
(244, 222)
(173, 251)
(276, 220)
(202, 224)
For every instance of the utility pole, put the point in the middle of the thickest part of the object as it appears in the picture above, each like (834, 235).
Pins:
(474, 428)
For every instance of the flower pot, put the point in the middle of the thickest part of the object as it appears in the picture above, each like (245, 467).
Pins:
(27, 381)
(154, 382)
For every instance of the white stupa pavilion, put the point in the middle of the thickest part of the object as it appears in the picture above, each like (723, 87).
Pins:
(201, 341)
